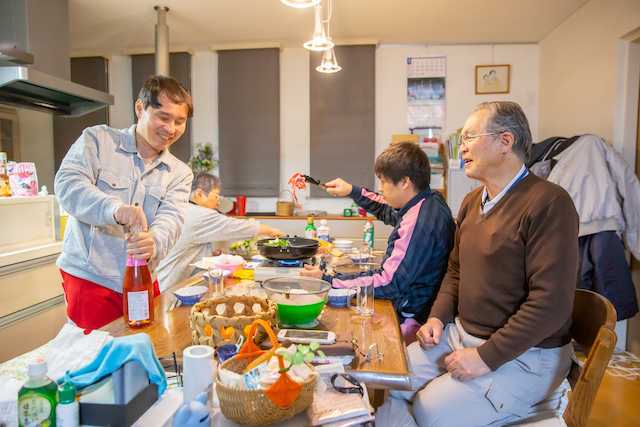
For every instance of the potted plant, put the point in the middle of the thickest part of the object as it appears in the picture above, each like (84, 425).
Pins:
(203, 161)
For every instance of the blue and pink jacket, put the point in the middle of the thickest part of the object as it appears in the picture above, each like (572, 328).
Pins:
(417, 252)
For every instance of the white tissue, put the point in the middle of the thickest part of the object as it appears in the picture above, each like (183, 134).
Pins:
(199, 368)
(71, 349)
(9, 388)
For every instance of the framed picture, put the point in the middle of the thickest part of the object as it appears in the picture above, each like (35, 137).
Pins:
(492, 79)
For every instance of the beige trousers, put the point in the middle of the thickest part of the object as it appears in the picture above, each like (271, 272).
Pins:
(500, 397)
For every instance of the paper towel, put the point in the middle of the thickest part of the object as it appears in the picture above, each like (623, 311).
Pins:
(198, 370)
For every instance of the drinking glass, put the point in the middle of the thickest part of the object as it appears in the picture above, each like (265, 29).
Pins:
(216, 284)
(364, 296)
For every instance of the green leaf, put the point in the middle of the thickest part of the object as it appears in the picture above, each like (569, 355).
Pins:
(303, 348)
(321, 354)
(281, 351)
(314, 345)
(297, 358)
(309, 356)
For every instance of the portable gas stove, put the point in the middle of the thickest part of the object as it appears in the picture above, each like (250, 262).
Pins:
(281, 267)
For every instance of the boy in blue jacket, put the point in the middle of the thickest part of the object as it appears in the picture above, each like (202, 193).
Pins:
(418, 248)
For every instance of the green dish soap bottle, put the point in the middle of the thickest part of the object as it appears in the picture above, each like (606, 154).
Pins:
(37, 398)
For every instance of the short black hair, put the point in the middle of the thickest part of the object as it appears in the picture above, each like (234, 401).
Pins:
(204, 181)
(170, 87)
(404, 159)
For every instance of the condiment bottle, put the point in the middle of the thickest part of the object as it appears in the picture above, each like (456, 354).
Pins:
(5, 188)
(37, 398)
(310, 232)
(323, 230)
(368, 234)
(137, 294)
(68, 410)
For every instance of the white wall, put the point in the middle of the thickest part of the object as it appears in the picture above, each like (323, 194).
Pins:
(579, 68)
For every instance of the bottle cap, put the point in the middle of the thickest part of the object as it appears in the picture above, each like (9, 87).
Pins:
(310, 219)
(323, 221)
(66, 391)
(39, 367)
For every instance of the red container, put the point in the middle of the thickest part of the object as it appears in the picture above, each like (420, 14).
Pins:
(242, 205)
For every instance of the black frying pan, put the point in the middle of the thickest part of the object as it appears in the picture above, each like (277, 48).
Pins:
(300, 248)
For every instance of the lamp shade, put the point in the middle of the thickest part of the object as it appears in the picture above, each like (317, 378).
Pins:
(300, 3)
(329, 62)
(319, 41)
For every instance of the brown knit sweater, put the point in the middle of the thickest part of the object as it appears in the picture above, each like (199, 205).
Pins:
(512, 272)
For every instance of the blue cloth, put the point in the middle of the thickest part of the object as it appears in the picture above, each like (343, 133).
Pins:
(115, 354)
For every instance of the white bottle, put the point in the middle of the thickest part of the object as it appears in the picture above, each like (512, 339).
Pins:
(68, 410)
(323, 230)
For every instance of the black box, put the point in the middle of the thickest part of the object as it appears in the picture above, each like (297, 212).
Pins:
(99, 414)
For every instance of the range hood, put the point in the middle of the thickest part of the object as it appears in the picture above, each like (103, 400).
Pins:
(28, 88)
(35, 60)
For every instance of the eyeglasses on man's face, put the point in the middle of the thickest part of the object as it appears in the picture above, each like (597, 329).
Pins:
(464, 139)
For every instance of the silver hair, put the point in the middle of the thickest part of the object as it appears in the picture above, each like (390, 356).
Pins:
(505, 116)
(204, 181)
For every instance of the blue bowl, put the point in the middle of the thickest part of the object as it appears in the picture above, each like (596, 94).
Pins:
(339, 297)
(190, 295)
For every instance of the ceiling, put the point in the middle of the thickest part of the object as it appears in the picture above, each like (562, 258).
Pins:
(116, 25)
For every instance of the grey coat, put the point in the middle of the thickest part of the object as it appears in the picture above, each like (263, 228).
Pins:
(101, 171)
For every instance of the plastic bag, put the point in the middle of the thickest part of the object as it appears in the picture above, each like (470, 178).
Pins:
(23, 179)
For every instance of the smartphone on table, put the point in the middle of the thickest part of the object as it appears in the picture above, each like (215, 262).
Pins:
(305, 336)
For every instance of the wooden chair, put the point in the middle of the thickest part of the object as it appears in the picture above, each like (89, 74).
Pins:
(594, 320)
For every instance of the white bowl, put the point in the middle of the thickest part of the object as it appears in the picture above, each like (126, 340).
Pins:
(342, 243)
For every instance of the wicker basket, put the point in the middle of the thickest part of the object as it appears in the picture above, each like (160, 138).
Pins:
(253, 407)
(204, 313)
(284, 208)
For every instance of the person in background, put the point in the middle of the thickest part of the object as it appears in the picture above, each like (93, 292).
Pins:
(497, 340)
(204, 224)
(418, 248)
(112, 179)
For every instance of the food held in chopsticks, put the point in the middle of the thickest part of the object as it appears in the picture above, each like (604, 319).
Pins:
(297, 181)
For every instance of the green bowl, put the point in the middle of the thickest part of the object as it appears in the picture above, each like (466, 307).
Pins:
(300, 299)
(300, 314)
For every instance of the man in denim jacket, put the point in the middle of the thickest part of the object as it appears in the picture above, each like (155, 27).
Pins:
(112, 179)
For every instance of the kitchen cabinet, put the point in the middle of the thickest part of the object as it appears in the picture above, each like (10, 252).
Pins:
(9, 133)
(30, 282)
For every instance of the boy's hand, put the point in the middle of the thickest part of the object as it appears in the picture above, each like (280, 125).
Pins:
(339, 187)
(311, 272)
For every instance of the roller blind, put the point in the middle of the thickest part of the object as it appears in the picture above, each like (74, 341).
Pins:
(343, 118)
(143, 66)
(249, 121)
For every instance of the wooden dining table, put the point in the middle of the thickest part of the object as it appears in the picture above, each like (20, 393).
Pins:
(171, 332)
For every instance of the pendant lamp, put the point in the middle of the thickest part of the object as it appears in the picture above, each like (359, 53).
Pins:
(329, 62)
(319, 42)
(300, 3)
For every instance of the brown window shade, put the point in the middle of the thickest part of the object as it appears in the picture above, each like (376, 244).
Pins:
(91, 72)
(143, 66)
(343, 118)
(249, 121)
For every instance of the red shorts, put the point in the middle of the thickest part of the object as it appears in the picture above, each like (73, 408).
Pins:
(91, 306)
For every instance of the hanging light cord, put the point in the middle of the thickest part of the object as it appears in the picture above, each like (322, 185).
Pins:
(329, 17)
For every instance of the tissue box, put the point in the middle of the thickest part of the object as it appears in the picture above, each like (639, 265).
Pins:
(99, 414)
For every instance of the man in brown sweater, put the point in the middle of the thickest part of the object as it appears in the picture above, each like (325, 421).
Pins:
(497, 340)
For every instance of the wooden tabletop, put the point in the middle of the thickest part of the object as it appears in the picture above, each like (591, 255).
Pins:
(171, 332)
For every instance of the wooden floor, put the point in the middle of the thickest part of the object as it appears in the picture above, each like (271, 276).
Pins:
(617, 403)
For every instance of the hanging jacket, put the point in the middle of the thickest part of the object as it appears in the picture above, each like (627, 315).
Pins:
(604, 188)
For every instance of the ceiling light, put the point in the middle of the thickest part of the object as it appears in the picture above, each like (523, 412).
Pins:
(300, 3)
(319, 42)
(329, 62)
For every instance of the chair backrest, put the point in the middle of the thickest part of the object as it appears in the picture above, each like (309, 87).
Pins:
(594, 320)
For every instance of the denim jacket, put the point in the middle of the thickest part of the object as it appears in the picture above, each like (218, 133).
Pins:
(101, 171)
